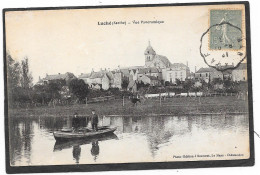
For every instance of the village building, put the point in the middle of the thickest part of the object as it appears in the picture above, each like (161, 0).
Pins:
(125, 74)
(99, 80)
(154, 60)
(240, 73)
(104, 79)
(133, 75)
(208, 74)
(148, 79)
(191, 76)
(85, 77)
(151, 71)
(156, 69)
(177, 71)
(67, 77)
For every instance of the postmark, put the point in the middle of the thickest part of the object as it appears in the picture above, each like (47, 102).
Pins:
(223, 44)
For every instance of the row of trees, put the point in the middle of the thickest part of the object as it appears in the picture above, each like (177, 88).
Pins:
(19, 80)
(21, 91)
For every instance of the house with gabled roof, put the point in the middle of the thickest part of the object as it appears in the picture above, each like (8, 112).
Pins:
(176, 71)
(150, 71)
(85, 77)
(208, 74)
(66, 76)
(148, 79)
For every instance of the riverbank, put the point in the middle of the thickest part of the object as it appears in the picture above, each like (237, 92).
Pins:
(149, 107)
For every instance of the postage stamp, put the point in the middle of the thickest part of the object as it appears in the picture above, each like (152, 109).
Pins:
(226, 33)
(223, 44)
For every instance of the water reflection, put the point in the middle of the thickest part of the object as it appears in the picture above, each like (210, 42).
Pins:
(136, 139)
(76, 145)
(76, 152)
(95, 150)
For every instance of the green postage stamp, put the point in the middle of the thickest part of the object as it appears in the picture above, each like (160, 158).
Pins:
(225, 32)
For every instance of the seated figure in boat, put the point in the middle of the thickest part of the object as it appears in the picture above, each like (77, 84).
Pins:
(94, 120)
(75, 122)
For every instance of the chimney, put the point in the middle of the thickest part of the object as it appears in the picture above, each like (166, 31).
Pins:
(39, 78)
(195, 69)
(187, 64)
(92, 70)
(59, 73)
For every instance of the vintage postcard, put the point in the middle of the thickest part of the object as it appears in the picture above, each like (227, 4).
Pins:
(128, 87)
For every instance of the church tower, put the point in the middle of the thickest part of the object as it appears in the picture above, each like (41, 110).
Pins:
(149, 54)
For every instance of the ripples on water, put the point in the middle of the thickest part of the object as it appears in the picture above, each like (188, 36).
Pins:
(137, 139)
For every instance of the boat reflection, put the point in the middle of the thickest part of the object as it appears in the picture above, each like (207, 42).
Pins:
(60, 145)
(76, 149)
(95, 150)
(76, 152)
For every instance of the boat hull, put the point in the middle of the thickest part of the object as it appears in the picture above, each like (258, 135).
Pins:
(61, 135)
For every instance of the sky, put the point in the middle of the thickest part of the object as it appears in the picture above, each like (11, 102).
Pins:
(60, 41)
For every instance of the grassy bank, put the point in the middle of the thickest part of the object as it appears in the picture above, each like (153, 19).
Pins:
(171, 106)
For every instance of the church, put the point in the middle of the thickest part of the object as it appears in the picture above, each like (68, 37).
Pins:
(154, 60)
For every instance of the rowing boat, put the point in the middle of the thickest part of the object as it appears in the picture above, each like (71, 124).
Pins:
(68, 134)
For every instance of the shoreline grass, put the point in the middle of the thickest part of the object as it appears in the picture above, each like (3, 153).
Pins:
(170, 106)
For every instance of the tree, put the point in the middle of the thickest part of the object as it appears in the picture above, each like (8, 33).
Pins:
(125, 83)
(187, 85)
(167, 83)
(79, 88)
(53, 88)
(217, 81)
(26, 77)
(178, 82)
(227, 83)
(142, 85)
(13, 79)
(13, 72)
(41, 94)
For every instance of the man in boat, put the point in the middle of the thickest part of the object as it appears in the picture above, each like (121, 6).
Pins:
(75, 122)
(94, 120)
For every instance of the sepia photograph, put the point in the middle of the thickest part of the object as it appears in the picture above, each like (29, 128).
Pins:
(127, 85)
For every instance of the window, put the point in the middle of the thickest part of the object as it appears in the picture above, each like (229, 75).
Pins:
(200, 75)
(206, 74)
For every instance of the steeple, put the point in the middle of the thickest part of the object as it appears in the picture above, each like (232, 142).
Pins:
(149, 54)
(149, 50)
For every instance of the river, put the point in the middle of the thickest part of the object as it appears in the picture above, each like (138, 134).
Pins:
(137, 139)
